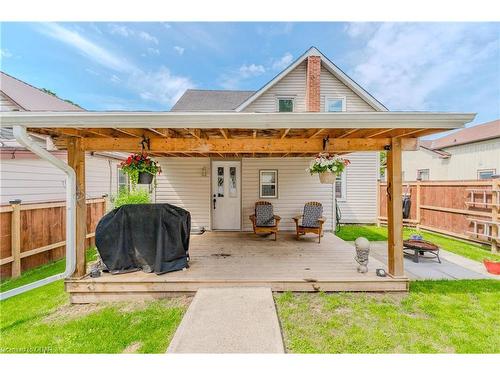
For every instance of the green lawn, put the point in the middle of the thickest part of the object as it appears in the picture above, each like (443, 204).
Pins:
(466, 249)
(435, 317)
(42, 320)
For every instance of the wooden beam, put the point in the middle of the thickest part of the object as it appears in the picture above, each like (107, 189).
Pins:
(394, 210)
(244, 145)
(100, 132)
(379, 132)
(194, 132)
(16, 240)
(76, 160)
(160, 132)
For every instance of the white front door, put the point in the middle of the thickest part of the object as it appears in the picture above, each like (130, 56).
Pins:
(226, 193)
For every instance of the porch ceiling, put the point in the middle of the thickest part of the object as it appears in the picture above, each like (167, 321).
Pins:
(236, 134)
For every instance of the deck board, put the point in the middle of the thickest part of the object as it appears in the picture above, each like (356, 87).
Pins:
(243, 259)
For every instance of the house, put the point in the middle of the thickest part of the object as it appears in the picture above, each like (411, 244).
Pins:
(467, 154)
(187, 183)
(226, 153)
(27, 177)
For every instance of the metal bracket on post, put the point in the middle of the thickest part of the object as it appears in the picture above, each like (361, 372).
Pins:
(387, 147)
(145, 144)
(326, 143)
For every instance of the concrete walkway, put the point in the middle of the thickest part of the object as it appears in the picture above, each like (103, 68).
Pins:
(452, 266)
(229, 320)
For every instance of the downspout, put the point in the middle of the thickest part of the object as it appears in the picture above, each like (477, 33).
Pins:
(24, 139)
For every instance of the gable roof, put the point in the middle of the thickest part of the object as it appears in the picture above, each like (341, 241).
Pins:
(210, 100)
(482, 132)
(30, 98)
(331, 67)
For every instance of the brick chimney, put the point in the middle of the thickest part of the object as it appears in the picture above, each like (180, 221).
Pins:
(313, 83)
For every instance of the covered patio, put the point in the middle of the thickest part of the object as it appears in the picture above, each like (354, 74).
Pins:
(236, 258)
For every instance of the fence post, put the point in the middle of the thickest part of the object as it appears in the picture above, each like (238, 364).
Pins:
(16, 238)
(495, 201)
(417, 204)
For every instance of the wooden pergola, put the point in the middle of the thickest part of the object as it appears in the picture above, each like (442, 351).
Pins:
(230, 134)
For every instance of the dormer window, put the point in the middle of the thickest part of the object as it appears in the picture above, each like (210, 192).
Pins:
(285, 104)
(335, 104)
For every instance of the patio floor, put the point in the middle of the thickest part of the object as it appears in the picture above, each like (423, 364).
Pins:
(236, 259)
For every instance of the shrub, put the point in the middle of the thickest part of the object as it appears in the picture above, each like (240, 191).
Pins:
(132, 197)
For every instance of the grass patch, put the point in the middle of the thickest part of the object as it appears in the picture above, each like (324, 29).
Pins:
(39, 273)
(435, 317)
(466, 249)
(43, 321)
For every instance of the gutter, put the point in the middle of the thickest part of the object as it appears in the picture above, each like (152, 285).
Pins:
(24, 139)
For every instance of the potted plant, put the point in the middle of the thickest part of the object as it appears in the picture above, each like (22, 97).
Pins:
(492, 266)
(327, 167)
(140, 168)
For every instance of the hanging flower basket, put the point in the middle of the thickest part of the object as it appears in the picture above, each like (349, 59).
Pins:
(140, 168)
(327, 177)
(145, 178)
(327, 167)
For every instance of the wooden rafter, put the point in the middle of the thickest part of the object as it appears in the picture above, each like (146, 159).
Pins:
(194, 132)
(378, 132)
(317, 132)
(347, 133)
(224, 133)
(161, 132)
(283, 133)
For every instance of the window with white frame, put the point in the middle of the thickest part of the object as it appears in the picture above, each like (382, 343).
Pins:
(123, 183)
(285, 104)
(336, 104)
(423, 175)
(340, 186)
(268, 183)
(485, 174)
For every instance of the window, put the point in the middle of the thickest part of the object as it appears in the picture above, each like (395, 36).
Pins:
(285, 104)
(485, 174)
(335, 104)
(122, 181)
(233, 193)
(220, 182)
(423, 175)
(268, 183)
(340, 186)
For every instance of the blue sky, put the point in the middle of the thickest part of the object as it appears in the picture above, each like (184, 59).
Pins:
(147, 66)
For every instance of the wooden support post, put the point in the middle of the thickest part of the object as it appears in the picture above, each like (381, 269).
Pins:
(495, 201)
(76, 160)
(15, 235)
(378, 202)
(395, 210)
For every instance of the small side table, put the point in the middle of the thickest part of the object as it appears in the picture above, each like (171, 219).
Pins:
(418, 248)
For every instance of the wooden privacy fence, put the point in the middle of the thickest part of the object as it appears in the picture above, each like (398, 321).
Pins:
(463, 209)
(34, 234)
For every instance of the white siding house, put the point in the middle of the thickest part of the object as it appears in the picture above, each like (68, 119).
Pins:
(24, 175)
(468, 154)
(187, 182)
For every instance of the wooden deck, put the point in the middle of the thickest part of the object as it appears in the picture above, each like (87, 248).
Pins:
(243, 259)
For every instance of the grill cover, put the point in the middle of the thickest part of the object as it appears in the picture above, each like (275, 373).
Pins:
(150, 237)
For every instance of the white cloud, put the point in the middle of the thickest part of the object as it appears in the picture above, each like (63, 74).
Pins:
(126, 32)
(252, 70)
(158, 85)
(153, 51)
(115, 79)
(147, 37)
(4, 53)
(403, 64)
(283, 62)
(179, 50)
(233, 79)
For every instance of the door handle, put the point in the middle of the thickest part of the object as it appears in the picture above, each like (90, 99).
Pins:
(215, 200)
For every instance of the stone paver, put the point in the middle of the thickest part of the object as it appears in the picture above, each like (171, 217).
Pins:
(229, 320)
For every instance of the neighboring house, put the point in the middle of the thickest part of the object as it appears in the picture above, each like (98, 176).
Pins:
(187, 182)
(467, 154)
(25, 176)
